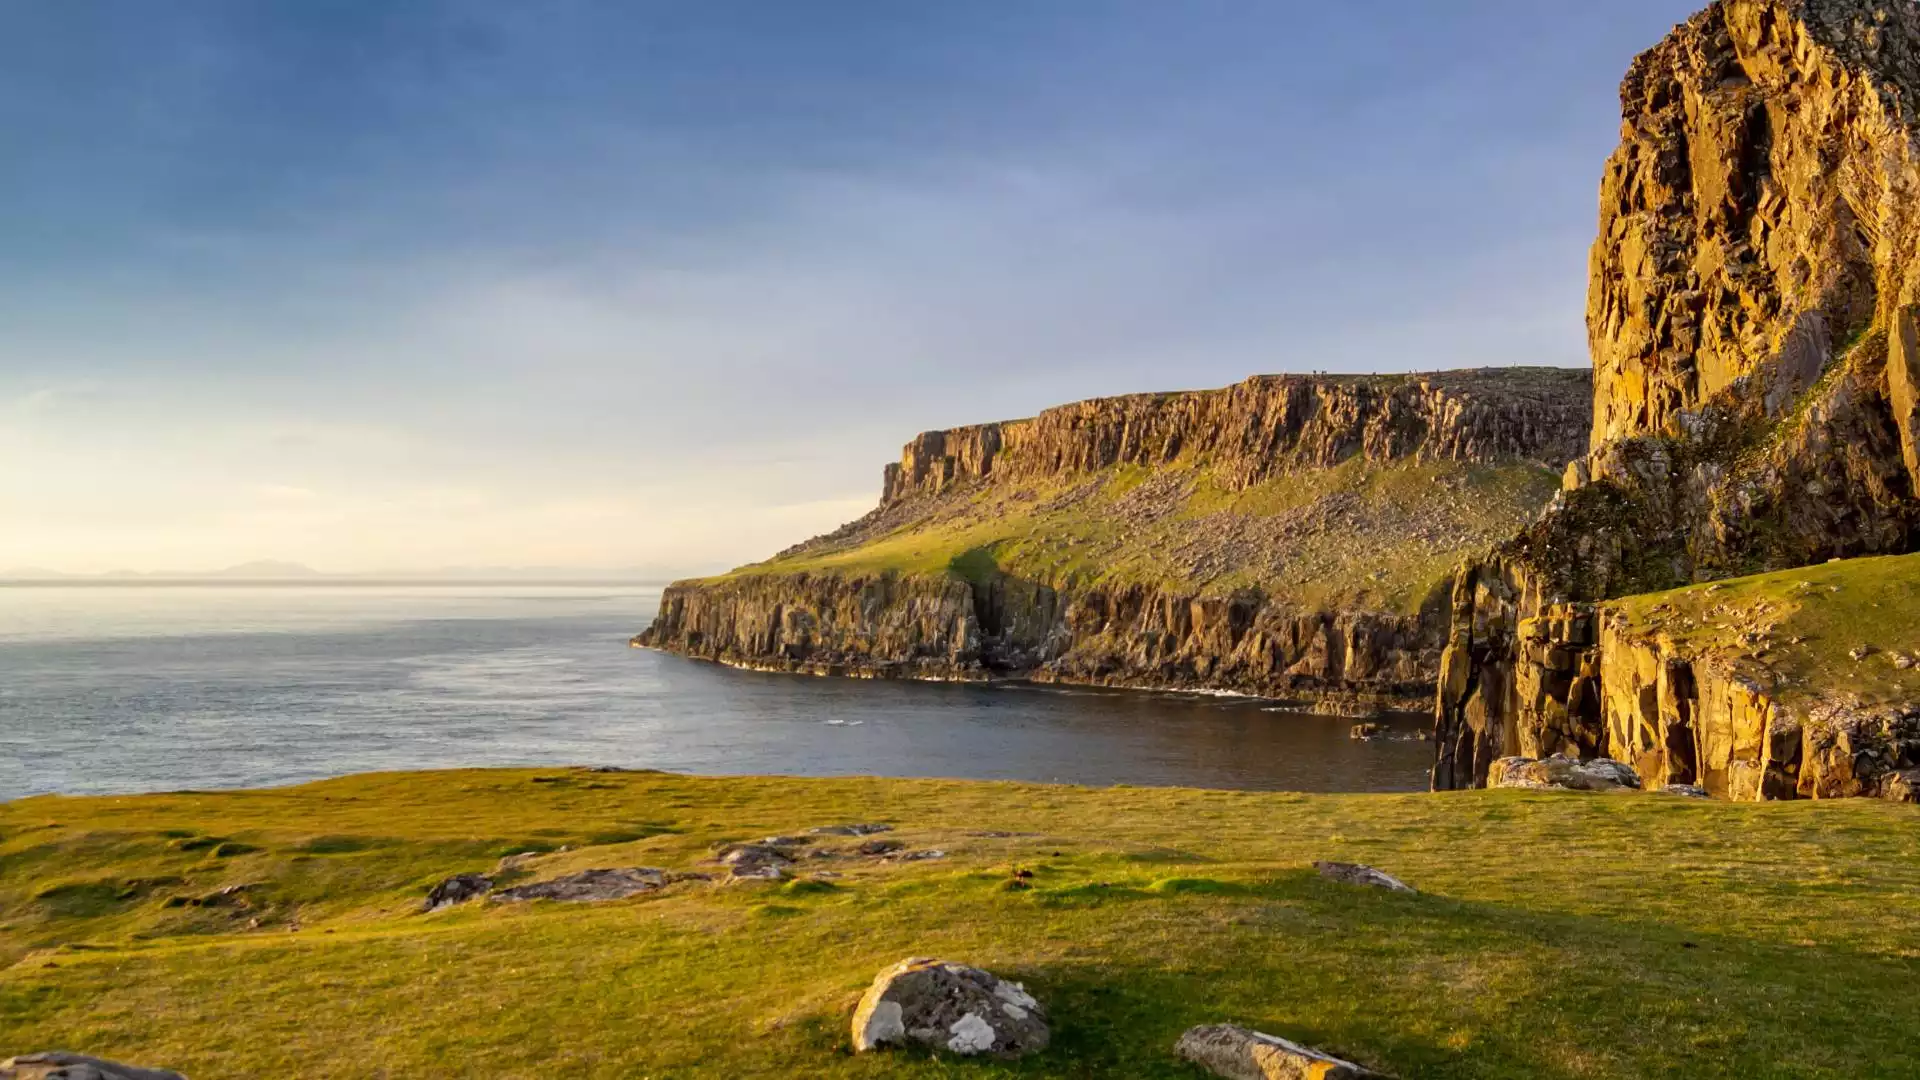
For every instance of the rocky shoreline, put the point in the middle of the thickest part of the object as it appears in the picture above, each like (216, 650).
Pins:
(1343, 704)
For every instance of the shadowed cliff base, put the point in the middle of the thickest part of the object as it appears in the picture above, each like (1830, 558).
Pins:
(1752, 313)
(1289, 536)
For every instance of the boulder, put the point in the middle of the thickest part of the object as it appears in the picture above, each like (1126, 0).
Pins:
(1356, 874)
(62, 1066)
(1561, 771)
(458, 889)
(589, 885)
(949, 1007)
(755, 862)
(1240, 1054)
(1901, 786)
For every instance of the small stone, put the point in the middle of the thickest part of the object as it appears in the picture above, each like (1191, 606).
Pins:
(918, 856)
(1365, 732)
(1357, 874)
(879, 847)
(1238, 1053)
(516, 862)
(1903, 661)
(849, 830)
(457, 889)
(1687, 791)
(946, 1006)
(56, 1065)
(589, 886)
(1861, 652)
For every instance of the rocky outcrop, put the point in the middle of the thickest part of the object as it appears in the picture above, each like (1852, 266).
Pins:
(1238, 1053)
(588, 886)
(1268, 425)
(1223, 622)
(1752, 316)
(1561, 771)
(1716, 721)
(62, 1066)
(457, 890)
(1357, 874)
(949, 1007)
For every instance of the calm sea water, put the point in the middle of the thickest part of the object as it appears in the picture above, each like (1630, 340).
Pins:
(109, 689)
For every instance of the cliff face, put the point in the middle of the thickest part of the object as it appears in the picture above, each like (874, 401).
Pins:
(1752, 313)
(1267, 426)
(1284, 536)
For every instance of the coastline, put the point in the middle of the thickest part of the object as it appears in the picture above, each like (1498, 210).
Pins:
(1343, 703)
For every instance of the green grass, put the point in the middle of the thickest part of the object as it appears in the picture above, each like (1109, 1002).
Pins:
(1556, 935)
(1381, 537)
(1802, 625)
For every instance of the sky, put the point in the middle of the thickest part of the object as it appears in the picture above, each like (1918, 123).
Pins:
(406, 284)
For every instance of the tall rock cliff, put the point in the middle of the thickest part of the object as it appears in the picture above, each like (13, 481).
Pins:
(1753, 302)
(1286, 536)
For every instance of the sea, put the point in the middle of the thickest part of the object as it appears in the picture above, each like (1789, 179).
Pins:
(121, 689)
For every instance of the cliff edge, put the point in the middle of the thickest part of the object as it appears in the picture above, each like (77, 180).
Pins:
(1754, 320)
(1288, 536)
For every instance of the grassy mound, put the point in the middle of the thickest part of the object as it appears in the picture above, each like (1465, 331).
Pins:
(1836, 630)
(1376, 536)
(1556, 935)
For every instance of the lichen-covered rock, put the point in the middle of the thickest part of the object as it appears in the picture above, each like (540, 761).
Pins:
(590, 885)
(1357, 874)
(458, 889)
(949, 1007)
(57, 1065)
(755, 862)
(1241, 1054)
(1560, 771)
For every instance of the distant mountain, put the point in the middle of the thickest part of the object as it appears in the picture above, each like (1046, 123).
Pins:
(267, 570)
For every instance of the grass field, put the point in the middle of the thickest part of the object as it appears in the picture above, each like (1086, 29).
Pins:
(1556, 935)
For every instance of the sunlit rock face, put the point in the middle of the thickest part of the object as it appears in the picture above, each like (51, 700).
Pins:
(1754, 318)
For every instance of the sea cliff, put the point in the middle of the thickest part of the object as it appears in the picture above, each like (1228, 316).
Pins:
(1752, 317)
(1288, 536)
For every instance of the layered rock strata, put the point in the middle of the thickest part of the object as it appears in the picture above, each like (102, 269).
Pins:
(1266, 426)
(1228, 606)
(1753, 303)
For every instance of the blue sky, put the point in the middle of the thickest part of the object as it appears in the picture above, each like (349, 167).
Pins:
(377, 285)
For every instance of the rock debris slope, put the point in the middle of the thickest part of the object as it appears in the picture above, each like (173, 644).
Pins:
(1754, 320)
(1290, 536)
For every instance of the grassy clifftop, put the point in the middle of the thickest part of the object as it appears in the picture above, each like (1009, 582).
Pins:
(1325, 490)
(1840, 630)
(1660, 937)
(1378, 535)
